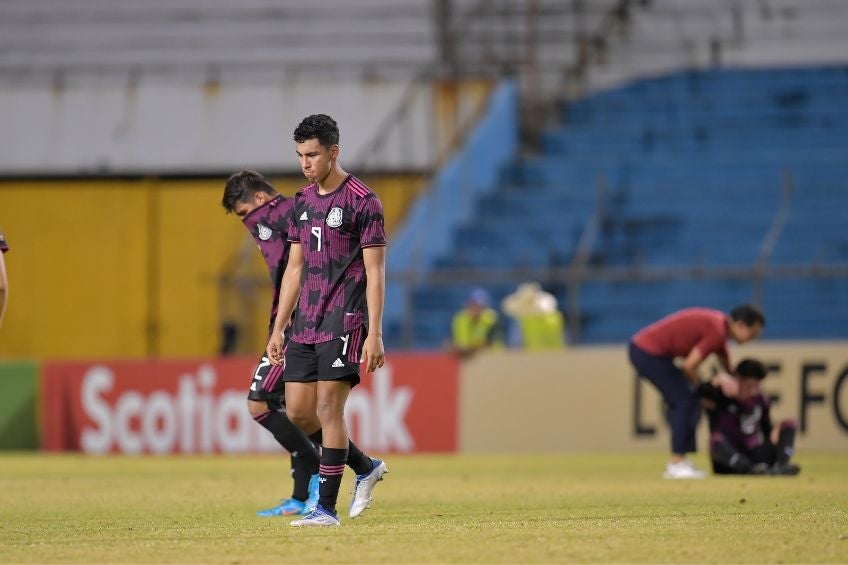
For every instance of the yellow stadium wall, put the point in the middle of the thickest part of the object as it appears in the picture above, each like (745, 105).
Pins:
(130, 268)
(77, 269)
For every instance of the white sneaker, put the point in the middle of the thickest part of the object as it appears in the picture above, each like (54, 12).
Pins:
(683, 470)
(364, 486)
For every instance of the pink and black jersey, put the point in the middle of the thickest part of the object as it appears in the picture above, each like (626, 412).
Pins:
(746, 425)
(269, 226)
(332, 230)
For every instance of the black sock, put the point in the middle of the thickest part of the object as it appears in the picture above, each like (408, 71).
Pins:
(301, 473)
(785, 445)
(357, 460)
(332, 469)
(289, 436)
(724, 453)
(316, 439)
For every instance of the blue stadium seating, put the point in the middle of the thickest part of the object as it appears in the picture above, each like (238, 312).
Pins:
(694, 165)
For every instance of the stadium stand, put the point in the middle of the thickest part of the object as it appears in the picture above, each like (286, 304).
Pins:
(717, 133)
(693, 163)
(693, 146)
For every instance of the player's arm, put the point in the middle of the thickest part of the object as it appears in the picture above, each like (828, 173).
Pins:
(724, 361)
(289, 294)
(728, 384)
(4, 288)
(373, 352)
(691, 364)
(710, 395)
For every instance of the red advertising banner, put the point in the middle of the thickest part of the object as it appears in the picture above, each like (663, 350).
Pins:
(198, 406)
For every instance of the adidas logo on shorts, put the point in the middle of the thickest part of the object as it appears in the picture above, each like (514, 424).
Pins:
(338, 363)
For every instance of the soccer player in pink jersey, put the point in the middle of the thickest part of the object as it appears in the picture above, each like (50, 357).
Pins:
(266, 215)
(743, 439)
(335, 277)
(692, 334)
(4, 281)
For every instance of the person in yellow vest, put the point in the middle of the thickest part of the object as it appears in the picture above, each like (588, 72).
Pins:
(538, 324)
(474, 327)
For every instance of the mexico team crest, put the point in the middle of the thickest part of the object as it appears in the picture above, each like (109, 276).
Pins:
(334, 218)
(264, 232)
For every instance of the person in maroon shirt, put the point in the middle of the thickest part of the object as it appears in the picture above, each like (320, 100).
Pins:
(4, 281)
(692, 334)
(335, 278)
(743, 439)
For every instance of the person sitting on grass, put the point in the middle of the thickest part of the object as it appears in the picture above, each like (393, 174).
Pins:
(742, 437)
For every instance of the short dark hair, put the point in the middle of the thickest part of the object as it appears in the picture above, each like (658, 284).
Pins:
(749, 315)
(751, 369)
(242, 186)
(318, 126)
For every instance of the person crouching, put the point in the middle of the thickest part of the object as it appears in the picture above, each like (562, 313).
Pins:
(742, 437)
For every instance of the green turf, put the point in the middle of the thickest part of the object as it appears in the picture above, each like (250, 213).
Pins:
(430, 509)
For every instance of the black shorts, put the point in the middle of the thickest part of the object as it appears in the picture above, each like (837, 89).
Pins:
(336, 360)
(267, 384)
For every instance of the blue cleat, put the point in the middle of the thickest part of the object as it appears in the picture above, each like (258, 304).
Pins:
(312, 501)
(364, 486)
(287, 507)
(318, 517)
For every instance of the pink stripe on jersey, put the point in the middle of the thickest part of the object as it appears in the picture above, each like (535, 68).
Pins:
(355, 345)
(262, 416)
(357, 187)
(331, 470)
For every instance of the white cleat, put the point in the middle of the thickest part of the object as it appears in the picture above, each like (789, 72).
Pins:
(318, 517)
(364, 486)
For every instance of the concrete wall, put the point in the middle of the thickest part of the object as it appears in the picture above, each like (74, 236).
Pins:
(588, 399)
(95, 127)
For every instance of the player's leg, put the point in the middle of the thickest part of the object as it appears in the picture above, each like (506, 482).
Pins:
(338, 362)
(369, 470)
(301, 403)
(727, 459)
(357, 460)
(332, 396)
(784, 448)
(266, 405)
(341, 359)
(683, 409)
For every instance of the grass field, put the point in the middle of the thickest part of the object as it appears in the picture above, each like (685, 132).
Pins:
(430, 509)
